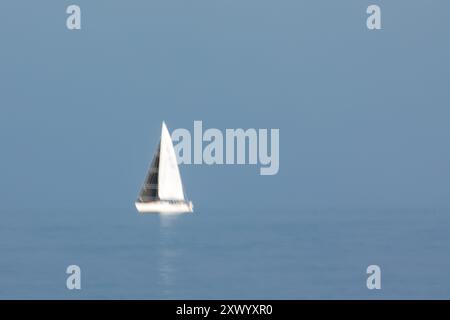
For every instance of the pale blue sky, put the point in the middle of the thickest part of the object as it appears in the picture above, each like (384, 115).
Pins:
(363, 116)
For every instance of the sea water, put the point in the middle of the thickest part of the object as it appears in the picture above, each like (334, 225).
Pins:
(217, 254)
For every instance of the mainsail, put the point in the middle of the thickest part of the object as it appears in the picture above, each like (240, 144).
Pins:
(169, 180)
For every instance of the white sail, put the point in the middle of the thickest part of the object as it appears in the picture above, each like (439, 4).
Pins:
(169, 180)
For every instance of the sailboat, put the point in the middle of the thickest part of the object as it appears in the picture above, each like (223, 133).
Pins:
(162, 191)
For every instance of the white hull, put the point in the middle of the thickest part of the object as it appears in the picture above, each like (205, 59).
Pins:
(164, 207)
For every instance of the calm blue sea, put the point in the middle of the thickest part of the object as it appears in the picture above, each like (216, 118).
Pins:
(215, 254)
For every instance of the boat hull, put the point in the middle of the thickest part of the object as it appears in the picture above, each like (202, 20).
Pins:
(164, 207)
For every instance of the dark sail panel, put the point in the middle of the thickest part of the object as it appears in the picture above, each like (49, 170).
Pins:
(149, 191)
